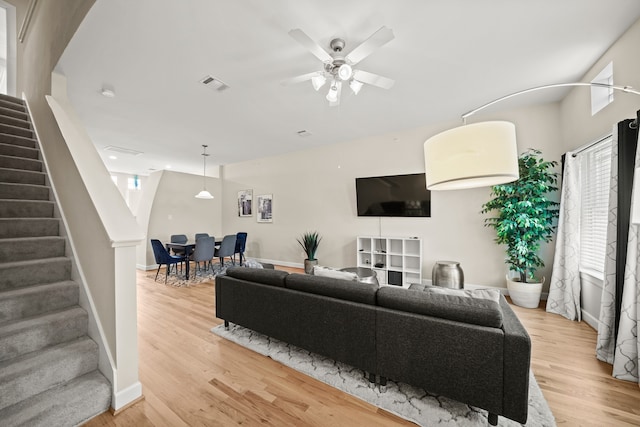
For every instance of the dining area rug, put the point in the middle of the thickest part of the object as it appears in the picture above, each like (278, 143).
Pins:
(409, 402)
(201, 275)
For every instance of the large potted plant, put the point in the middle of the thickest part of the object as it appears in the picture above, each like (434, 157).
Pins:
(309, 242)
(526, 217)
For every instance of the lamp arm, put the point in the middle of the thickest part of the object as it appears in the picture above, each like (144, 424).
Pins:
(627, 89)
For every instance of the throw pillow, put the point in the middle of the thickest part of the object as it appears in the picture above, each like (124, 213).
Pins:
(490, 294)
(252, 263)
(333, 273)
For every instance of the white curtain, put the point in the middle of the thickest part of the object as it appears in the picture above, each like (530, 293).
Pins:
(564, 288)
(606, 324)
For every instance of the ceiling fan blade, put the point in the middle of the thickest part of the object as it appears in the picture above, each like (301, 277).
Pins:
(373, 79)
(381, 37)
(302, 38)
(337, 101)
(301, 78)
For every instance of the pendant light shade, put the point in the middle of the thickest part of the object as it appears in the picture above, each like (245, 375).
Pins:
(470, 156)
(204, 194)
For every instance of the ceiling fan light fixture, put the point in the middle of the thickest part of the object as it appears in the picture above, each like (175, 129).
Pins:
(318, 81)
(355, 86)
(332, 96)
(345, 72)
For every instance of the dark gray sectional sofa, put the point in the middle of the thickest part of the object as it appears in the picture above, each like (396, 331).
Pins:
(473, 350)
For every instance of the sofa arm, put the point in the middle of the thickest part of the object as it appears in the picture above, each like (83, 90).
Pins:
(517, 361)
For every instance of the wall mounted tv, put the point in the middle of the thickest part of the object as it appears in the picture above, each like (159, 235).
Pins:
(395, 195)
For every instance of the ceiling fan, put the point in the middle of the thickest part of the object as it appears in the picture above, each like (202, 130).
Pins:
(338, 68)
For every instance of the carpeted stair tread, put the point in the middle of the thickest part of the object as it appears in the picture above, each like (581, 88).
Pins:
(14, 121)
(13, 208)
(37, 332)
(18, 140)
(13, 150)
(34, 300)
(13, 162)
(28, 227)
(32, 272)
(27, 248)
(23, 191)
(12, 103)
(20, 176)
(28, 375)
(15, 130)
(10, 112)
(70, 404)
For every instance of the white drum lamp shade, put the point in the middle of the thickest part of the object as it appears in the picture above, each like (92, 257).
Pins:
(476, 155)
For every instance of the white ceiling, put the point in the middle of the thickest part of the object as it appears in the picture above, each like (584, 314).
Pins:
(447, 58)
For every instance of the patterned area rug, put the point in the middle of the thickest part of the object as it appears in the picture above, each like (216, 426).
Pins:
(411, 403)
(178, 280)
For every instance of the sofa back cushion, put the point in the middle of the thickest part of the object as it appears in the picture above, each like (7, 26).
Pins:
(259, 275)
(335, 288)
(477, 311)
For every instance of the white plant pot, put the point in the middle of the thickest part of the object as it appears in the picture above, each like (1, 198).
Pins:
(525, 295)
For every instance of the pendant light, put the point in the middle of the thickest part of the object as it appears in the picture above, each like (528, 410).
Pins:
(204, 194)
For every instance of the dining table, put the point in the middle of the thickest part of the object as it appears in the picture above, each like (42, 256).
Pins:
(186, 248)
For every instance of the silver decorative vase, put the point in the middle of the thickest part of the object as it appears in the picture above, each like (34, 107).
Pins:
(309, 264)
(447, 274)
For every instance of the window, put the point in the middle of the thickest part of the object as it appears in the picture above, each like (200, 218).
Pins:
(602, 96)
(595, 169)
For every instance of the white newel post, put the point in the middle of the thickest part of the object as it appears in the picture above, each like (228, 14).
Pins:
(126, 385)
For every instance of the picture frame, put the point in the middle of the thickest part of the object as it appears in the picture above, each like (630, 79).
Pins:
(264, 209)
(245, 203)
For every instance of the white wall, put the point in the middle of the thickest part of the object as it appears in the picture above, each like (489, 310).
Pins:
(173, 209)
(315, 190)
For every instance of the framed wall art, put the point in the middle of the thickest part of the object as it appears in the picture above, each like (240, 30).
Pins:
(245, 201)
(265, 208)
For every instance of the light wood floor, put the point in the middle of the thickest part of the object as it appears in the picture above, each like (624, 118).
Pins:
(191, 377)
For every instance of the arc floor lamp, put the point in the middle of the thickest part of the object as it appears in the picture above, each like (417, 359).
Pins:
(481, 154)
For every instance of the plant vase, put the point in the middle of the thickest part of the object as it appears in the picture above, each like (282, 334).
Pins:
(525, 295)
(309, 264)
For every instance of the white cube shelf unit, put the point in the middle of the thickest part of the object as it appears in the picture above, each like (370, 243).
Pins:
(396, 260)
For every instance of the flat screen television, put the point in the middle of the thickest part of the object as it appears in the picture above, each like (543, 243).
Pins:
(395, 195)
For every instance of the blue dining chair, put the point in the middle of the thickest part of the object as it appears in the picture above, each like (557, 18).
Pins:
(241, 242)
(227, 249)
(205, 248)
(163, 257)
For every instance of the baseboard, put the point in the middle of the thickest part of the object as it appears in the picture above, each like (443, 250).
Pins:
(126, 397)
(590, 319)
(147, 267)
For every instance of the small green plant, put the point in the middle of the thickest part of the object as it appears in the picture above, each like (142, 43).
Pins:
(309, 242)
(526, 216)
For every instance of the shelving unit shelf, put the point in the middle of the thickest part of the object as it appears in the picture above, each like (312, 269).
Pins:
(396, 260)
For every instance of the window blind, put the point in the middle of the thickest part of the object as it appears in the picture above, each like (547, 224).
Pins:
(595, 171)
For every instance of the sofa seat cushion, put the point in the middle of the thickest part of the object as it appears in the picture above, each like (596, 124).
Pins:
(259, 275)
(335, 288)
(476, 311)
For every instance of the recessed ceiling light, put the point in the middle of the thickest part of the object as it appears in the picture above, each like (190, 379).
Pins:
(109, 93)
(168, 167)
(113, 157)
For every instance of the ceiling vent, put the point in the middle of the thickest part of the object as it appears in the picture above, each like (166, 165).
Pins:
(213, 83)
(122, 150)
(303, 133)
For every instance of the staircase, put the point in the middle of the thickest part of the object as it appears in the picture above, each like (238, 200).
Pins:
(48, 364)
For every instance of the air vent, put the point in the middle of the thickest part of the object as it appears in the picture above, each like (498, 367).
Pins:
(213, 83)
(303, 133)
(122, 150)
